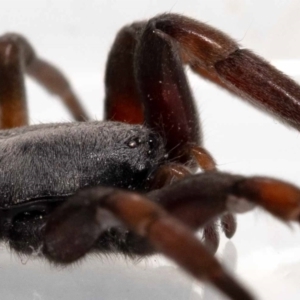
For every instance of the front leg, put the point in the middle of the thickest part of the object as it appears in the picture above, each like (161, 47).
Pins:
(200, 198)
(122, 100)
(214, 55)
(145, 83)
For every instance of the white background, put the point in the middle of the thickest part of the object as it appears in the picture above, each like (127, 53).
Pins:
(76, 35)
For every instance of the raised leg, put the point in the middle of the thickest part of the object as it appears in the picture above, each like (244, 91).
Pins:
(73, 229)
(122, 100)
(166, 95)
(169, 40)
(16, 58)
(145, 82)
(12, 91)
(213, 54)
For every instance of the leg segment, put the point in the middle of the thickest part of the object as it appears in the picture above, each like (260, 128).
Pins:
(21, 57)
(198, 199)
(92, 211)
(256, 80)
(122, 102)
(12, 91)
(145, 82)
(164, 90)
(213, 54)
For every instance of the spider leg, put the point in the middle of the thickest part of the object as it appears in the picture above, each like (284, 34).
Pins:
(145, 83)
(169, 105)
(12, 90)
(199, 199)
(17, 56)
(74, 227)
(122, 102)
(214, 55)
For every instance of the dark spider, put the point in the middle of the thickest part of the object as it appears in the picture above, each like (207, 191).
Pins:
(68, 189)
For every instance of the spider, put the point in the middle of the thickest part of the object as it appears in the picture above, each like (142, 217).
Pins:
(128, 184)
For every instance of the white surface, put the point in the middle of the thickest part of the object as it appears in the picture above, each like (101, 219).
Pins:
(76, 35)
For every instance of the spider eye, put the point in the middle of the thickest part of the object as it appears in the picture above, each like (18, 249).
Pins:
(134, 142)
(153, 143)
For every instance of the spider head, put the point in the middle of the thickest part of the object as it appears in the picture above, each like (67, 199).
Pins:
(137, 154)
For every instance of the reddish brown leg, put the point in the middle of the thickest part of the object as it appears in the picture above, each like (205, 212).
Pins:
(145, 82)
(17, 57)
(213, 54)
(198, 199)
(164, 90)
(169, 40)
(122, 101)
(12, 91)
(73, 229)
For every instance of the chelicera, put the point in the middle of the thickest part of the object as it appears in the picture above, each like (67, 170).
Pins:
(127, 184)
